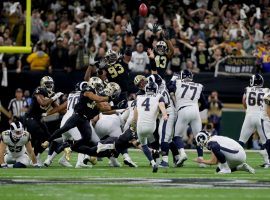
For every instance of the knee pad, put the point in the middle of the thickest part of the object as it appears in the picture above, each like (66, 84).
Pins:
(19, 165)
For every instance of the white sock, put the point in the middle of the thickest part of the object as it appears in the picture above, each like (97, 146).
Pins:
(126, 156)
(182, 151)
(265, 156)
(80, 158)
(165, 159)
(177, 157)
(152, 162)
(54, 154)
(224, 165)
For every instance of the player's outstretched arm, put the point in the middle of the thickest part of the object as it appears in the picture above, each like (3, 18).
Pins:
(162, 108)
(95, 97)
(2, 152)
(31, 153)
(212, 161)
(42, 101)
(60, 108)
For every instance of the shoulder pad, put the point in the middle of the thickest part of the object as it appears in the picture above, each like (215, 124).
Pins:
(40, 90)
(88, 89)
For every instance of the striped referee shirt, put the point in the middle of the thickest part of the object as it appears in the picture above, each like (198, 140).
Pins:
(17, 107)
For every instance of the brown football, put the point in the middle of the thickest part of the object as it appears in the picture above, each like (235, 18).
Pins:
(143, 10)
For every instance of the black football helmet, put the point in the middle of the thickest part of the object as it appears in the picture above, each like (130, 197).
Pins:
(151, 87)
(256, 80)
(186, 75)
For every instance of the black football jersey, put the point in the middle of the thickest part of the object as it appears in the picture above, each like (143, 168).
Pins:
(36, 109)
(161, 62)
(119, 73)
(85, 106)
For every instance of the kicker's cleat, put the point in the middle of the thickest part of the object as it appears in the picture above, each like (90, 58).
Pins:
(182, 159)
(225, 171)
(91, 159)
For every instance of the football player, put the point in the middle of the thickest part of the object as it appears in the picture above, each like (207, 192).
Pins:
(227, 153)
(187, 94)
(72, 134)
(265, 123)
(252, 101)
(145, 115)
(17, 142)
(165, 128)
(42, 100)
(163, 51)
(114, 66)
(89, 105)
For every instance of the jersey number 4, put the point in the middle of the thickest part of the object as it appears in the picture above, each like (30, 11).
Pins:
(255, 98)
(146, 104)
(186, 87)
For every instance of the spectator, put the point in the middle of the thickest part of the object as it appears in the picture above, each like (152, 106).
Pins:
(39, 60)
(58, 56)
(215, 110)
(27, 97)
(18, 106)
(139, 59)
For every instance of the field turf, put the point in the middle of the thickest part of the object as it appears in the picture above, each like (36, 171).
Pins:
(104, 182)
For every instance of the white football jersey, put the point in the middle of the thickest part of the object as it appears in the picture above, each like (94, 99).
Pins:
(168, 101)
(264, 108)
(147, 106)
(254, 98)
(187, 93)
(130, 112)
(138, 61)
(226, 143)
(72, 100)
(16, 148)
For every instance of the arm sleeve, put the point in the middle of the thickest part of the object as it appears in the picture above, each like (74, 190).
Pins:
(153, 64)
(171, 86)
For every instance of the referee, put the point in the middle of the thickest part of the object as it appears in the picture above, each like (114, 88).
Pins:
(18, 106)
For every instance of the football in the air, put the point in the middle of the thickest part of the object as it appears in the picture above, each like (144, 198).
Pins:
(143, 10)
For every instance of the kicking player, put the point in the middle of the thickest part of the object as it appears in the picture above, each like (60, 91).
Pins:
(145, 115)
(227, 153)
(17, 142)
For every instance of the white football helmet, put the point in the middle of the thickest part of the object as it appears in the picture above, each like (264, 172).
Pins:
(202, 138)
(48, 83)
(96, 83)
(113, 90)
(16, 129)
(161, 48)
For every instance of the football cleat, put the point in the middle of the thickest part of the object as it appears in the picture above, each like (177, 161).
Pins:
(67, 152)
(129, 162)
(82, 165)
(163, 164)
(155, 168)
(93, 160)
(62, 161)
(202, 165)
(114, 162)
(182, 159)
(103, 147)
(47, 162)
(225, 171)
(247, 168)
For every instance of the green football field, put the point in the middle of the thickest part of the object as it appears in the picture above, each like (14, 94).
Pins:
(104, 182)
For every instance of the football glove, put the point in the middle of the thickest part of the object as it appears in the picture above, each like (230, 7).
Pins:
(102, 63)
(57, 95)
(92, 61)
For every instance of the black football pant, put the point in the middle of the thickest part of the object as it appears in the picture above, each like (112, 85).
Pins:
(39, 133)
(83, 125)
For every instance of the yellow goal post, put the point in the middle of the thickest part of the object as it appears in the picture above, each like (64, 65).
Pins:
(22, 49)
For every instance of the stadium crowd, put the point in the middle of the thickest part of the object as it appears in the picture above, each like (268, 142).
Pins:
(65, 36)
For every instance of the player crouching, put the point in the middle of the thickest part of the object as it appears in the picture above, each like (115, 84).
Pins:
(227, 153)
(17, 141)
